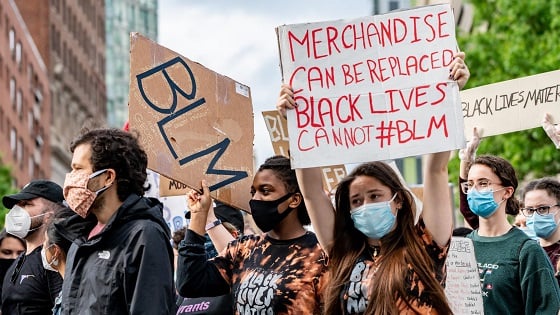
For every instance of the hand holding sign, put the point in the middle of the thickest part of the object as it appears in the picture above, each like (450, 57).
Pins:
(552, 130)
(459, 70)
(286, 99)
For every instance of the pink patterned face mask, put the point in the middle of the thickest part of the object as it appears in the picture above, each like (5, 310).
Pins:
(76, 193)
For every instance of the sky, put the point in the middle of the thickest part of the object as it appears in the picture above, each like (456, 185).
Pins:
(237, 38)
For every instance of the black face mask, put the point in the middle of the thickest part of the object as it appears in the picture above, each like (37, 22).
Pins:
(5, 263)
(265, 213)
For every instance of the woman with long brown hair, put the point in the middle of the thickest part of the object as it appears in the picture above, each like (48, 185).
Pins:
(381, 261)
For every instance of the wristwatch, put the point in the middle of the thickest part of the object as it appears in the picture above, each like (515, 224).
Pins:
(212, 224)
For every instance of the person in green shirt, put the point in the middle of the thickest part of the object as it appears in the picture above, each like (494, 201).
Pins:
(515, 273)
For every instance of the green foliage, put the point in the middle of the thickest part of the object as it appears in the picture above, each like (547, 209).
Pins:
(6, 188)
(513, 39)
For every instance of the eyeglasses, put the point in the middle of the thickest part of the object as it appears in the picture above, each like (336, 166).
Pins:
(541, 210)
(480, 186)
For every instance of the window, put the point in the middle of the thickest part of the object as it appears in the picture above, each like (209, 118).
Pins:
(30, 166)
(19, 103)
(18, 54)
(30, 121)
(12, 39)
(19, 154)
(13, 144)
(13, 91)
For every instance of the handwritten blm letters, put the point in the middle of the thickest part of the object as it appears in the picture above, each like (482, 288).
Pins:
(194, 123)
(278, 131)
(372, 88)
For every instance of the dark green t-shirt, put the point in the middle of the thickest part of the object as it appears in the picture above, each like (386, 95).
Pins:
(515, 274)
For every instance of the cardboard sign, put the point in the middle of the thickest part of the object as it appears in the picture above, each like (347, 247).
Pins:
(462, 287)
(372, 88)
(170, 187)
(278, 131)
(512, 105)
(194, 123)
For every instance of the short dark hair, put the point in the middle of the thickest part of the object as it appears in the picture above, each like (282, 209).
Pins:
(281, 166)
(121, 151)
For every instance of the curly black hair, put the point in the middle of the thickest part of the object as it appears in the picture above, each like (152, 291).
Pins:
(281, 166)
(118, 150)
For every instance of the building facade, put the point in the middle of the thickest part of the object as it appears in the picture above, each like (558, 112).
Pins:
(122, 18)
(25, 100)
(70, 36)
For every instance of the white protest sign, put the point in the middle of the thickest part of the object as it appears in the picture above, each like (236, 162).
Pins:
(372, 88)
(512, 105)
(462, 287)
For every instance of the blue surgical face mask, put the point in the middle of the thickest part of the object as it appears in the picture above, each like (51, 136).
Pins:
(543, 225)
(374, 220)
(482, 203)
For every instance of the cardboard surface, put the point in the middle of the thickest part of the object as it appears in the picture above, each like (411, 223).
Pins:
(194, 123)
(512, 105)
(372, 88)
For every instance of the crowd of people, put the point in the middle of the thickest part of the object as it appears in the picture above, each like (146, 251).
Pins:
(96, 245)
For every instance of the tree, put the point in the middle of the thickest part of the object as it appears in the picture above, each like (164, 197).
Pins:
(513, 39)
(6, 188)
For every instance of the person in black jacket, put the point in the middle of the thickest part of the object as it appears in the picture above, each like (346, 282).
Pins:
(124, 264)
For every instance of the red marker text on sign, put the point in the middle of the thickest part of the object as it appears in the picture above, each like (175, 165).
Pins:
(326, 41)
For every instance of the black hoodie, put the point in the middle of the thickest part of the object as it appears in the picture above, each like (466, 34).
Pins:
(125, 269)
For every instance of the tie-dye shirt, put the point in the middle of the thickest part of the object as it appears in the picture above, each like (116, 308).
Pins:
(266, 276)
(356, 291)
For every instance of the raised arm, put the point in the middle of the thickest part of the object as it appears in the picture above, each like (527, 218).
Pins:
(310, 180)
(437, 210)
(202, 216)
(319, 206)
(467, 156)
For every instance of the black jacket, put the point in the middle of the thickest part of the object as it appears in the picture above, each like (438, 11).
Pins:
(125, 269)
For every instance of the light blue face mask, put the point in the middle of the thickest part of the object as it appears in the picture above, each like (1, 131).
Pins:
(482, 203)
(374, 220)
(543, 225)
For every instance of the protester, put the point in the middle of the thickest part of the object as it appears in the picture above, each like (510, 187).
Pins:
(27, 287)
(64, 227)
(232, 221)
(10, 248)
(514, 270)
(538, 193)
(124, 264)
(278, 272)
(541, 199)
(380, 261)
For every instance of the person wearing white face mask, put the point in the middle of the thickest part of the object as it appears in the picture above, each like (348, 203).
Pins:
(28, 288)
(61, 231)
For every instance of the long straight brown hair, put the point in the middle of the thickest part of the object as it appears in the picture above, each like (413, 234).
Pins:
(400, 248)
